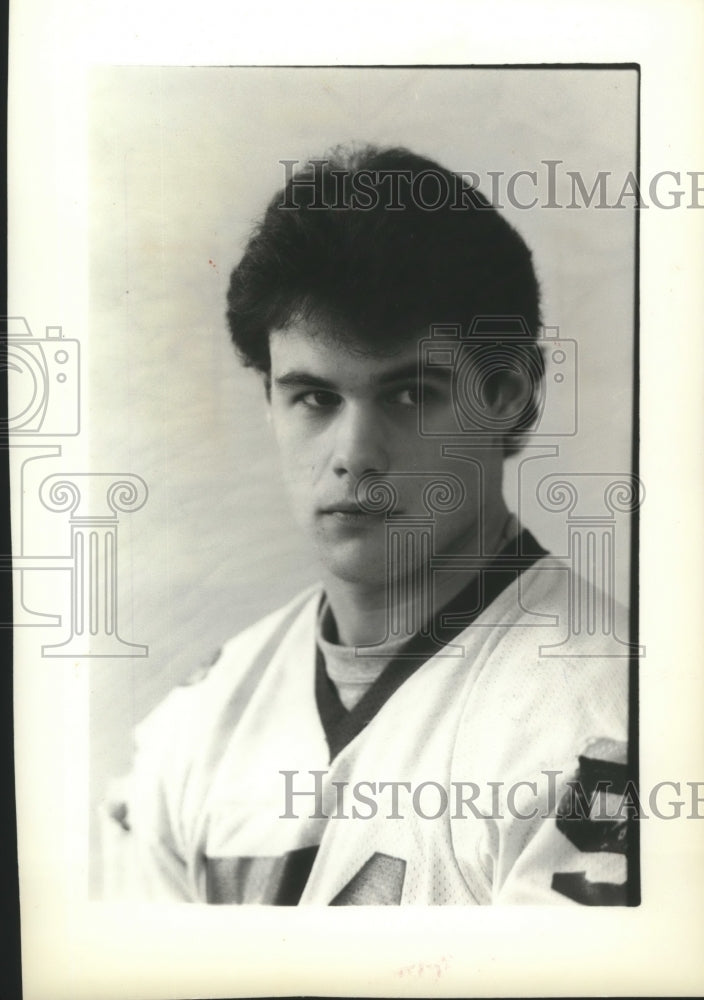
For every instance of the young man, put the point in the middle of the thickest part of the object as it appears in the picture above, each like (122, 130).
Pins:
(393, 736)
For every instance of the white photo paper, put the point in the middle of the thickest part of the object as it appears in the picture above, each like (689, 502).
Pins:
(353, 543)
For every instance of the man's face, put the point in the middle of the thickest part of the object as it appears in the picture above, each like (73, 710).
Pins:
(339, 413)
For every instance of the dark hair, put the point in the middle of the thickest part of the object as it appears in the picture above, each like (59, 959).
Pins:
(389, 241)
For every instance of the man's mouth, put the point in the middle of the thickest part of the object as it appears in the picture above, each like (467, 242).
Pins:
(350, 512)
(344, 508)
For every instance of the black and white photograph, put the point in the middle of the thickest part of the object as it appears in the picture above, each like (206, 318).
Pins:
(330, 511)
(335, 338)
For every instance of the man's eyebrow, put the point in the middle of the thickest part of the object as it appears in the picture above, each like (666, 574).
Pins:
(298, 379)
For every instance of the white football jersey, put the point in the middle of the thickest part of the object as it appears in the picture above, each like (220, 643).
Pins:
(476, 781)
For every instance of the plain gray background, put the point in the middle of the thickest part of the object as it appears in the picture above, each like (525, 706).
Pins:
(182, 162)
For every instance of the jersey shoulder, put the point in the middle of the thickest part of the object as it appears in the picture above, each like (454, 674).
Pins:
(547, 685)
(179, 741)
(205, 688)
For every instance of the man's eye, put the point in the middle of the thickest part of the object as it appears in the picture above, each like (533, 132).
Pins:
(410, 396)
(319, 399)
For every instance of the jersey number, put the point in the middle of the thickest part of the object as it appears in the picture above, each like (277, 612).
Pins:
(589, 834)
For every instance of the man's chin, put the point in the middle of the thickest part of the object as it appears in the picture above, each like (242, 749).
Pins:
(361, 563)
(357, 554)
(359, 572)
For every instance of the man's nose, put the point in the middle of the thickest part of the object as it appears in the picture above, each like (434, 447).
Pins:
(360, 442)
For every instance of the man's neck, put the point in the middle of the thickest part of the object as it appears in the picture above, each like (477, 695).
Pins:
(363, 613)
